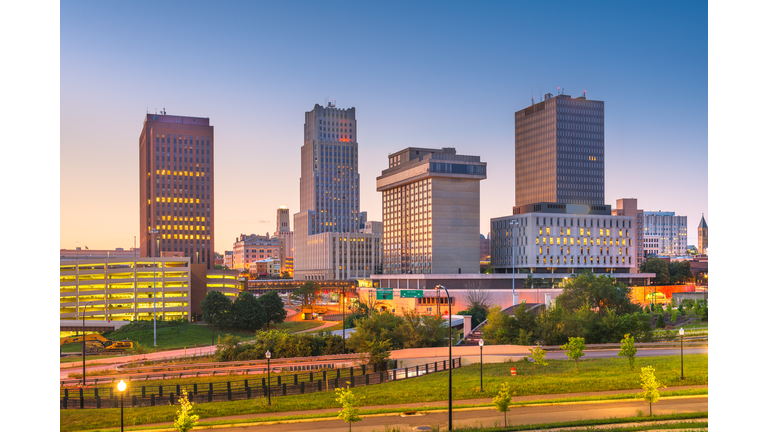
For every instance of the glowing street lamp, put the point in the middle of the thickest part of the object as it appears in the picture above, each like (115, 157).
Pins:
(481, 365)
(269, 379)
(682, 332)
(83, 333)
(121, 387)
(450, 359)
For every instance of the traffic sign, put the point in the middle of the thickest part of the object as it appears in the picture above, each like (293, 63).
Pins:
(384, 294)
(411, 293)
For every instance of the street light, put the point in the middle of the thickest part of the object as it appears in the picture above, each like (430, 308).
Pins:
(343, 323)
(212, 323)
(83, 332)
(450, 360)
(154, 288)
(121, 388)
(682, 332)
(513, 223)
(269, 379)
(481, 365)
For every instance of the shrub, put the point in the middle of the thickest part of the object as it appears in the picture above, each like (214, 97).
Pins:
(660, 324)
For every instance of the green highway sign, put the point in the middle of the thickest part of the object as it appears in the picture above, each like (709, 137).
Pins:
(411, 293)
(384, 294)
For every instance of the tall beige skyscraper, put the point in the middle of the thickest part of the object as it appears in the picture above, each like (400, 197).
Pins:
(176, 187)
(559, 151)
(431, 210)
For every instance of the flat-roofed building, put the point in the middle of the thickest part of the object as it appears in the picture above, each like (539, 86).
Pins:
(431, 211)
(248, 248)
(563, 238)
(124, 289)
(671, 229)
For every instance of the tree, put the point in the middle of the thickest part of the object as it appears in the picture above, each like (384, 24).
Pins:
(680, 272)
(376, 352)
(574, 349)
(479, 314)
(247, 313)
(500, 329)
(215, 302)
(306, 294)
(503, 399)
(598, 292)
(227, 347)
(274, 309)
(348, 401)
(285, 275)
(477, 294)
(658, 266)
(660, 324)
(538, 355)
(650, 386)
(628, 350)
(185, 416)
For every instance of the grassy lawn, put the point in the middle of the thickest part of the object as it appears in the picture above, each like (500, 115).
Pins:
(296, 326)
(559, 377)
(88, 357)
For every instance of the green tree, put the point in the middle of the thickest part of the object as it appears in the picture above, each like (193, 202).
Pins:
(538, 355)
(503, 399)
(660, 324)
(501, 328)
(574, 349)
(216, 305)
(285, 275)
(227, 347)
(186, 419)
(306, 294)
(628, 350)
(350, 413)
(247, 314)
(478, 312)
(680, 272)
(598, 292)
(376, 352)
(650, 386)
(274, 309)
(658, 266)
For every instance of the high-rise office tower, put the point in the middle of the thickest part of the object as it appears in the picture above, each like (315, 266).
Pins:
(330, 201)
(559, 151)
(176, 187)
(431, 210)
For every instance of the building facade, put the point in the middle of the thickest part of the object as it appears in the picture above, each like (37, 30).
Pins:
(327, 242)
(628, 207)
(123, 289)
(284, 234)
(563, 238)
(431, 211)
(249, 248)
(703, 236)
(176, 187)
(672, 231)
(559, 151)
(651, 246)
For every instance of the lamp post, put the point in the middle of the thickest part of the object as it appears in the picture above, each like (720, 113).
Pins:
(512, 224)
(682, 332)
(121, 388)
(481, 366)
(450, 360)
(154, 288)
(212, 323)
(343, 323)
(83, 335)
(269, 379)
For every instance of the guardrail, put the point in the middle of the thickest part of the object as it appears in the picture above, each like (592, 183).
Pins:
(135, 396)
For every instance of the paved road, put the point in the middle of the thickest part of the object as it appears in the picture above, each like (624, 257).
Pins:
(489, 417)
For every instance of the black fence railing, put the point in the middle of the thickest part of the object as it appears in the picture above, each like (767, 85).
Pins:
(280, 385)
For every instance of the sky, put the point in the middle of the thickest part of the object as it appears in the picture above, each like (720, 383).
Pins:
(426, 74)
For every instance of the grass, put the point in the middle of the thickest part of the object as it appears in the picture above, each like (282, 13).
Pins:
(88, 357)
(559, 377)
(296, 326)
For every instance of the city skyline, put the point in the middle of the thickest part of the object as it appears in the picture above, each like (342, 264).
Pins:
(447, 79)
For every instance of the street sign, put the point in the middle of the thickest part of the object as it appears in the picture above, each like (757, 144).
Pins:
(411, 293)
(384, 294)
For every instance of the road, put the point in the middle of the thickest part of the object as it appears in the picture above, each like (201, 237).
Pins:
(489, 417)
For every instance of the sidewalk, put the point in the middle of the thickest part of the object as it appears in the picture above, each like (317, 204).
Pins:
(418, 405)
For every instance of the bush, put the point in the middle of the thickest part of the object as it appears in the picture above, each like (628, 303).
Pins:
(660, 324)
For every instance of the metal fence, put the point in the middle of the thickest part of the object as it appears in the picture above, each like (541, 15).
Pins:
(281, 385)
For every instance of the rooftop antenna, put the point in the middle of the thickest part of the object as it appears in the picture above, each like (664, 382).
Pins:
(541, 98)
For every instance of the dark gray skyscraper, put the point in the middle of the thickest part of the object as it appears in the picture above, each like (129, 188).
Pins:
(559, 151)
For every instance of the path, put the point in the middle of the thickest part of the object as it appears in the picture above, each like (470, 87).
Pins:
(324, 326)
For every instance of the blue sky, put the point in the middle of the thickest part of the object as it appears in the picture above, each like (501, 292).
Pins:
(430, 74)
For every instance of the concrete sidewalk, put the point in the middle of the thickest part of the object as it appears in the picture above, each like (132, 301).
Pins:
(420, 405)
